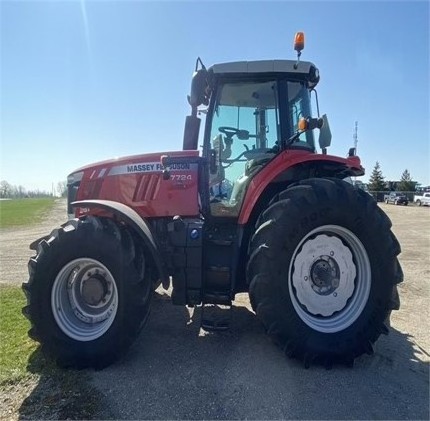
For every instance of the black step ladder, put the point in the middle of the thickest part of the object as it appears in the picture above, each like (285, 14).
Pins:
(216, 302)
(215, 317)
(216, 308)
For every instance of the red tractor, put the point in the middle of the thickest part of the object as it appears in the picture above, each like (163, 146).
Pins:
(257, 210)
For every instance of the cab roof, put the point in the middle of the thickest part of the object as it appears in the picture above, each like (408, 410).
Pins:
(263, 66)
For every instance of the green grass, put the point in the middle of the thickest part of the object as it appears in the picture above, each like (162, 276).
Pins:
(17, 212)
(15, 345)
(54, 393)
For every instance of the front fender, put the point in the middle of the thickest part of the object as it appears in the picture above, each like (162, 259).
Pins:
(132, 218)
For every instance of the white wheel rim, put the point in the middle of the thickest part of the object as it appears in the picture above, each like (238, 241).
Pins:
(329, 278)
(84, 299)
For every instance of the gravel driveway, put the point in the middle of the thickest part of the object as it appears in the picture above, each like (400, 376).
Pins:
(14, 242)
(176, 371)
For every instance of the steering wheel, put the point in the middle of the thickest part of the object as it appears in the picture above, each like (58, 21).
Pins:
(228, 131)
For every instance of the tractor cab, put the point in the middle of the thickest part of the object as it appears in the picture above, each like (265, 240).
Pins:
(255, 111)
(251, 116)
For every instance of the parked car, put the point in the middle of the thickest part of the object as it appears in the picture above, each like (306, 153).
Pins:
(396, 198)
(422, 199)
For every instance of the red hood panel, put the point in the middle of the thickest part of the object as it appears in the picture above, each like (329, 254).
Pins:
(135, 159)
(137, 181)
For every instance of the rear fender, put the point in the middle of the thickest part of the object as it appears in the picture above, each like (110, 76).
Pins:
(292, 167)
(139, 225)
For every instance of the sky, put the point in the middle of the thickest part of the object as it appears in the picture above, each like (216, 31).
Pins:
(85, 81)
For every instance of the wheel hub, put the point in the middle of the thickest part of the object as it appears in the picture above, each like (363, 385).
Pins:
(94, 290)
(324, 251)
(325, 275)
(84, 299)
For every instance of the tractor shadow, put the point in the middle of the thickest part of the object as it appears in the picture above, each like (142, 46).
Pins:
(177, 371)
(60, 394)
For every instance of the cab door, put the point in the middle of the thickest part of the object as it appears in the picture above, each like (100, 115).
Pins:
(242, 131)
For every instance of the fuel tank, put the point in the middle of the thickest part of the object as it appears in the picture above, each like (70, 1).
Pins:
(137, 181)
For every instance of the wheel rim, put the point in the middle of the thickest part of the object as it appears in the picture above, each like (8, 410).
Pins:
(329, 278)
(84, 299)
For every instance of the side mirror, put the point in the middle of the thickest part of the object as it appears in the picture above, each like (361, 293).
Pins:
(324, 138)
(199, 84)
(191, 133)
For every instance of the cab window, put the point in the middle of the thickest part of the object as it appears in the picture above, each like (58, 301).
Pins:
(299, 107)
(244, 131)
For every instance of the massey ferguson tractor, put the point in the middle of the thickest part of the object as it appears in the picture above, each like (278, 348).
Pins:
(259, 209)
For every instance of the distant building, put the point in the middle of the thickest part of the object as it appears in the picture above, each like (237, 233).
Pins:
(422, 189)
(394, 185)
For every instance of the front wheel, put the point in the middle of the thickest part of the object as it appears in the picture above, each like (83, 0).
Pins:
(323, 271)
(89, 292)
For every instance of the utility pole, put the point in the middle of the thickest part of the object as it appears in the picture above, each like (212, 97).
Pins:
(355, 136)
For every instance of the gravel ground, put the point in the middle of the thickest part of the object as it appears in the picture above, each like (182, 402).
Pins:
(14, 242)
(176, 371)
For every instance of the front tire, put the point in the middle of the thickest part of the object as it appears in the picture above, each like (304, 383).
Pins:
(89, 292)
(323, 271)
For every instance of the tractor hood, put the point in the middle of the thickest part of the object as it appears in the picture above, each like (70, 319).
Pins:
(137, 181)
(128, 164)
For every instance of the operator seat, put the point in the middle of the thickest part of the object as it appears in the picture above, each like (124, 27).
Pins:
(257, 158)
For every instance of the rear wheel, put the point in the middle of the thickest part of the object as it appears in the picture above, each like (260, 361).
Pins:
(89, 292)
(323, 271)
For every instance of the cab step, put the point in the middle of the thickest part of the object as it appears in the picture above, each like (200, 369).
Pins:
(215, 317)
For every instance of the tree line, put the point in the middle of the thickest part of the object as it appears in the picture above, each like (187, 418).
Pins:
(377, 181)
(9, 191)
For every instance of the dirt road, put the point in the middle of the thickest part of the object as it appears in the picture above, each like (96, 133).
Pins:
(14, 242)
(176, 371)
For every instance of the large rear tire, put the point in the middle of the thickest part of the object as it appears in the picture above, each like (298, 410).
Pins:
(89, 292)
(323, 271)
